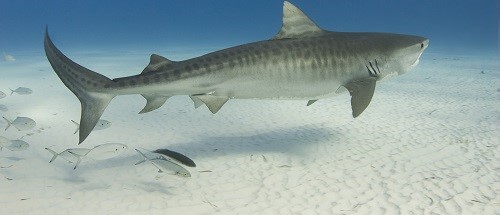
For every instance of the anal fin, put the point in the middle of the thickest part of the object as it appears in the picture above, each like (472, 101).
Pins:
(361, 91)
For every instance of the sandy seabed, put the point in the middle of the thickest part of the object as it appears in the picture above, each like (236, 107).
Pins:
(427, 144)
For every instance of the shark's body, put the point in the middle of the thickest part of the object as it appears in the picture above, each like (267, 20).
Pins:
(302, 62)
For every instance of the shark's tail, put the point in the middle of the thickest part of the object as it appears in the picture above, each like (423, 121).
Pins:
(90, 87)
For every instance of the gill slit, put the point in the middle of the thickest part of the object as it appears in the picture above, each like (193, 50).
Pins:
(373, 72)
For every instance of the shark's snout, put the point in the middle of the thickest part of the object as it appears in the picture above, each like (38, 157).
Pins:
(425, 44)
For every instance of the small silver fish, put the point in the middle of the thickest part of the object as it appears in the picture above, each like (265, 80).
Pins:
(13, 145)
(164, 165)
(101, 124)
(2, 95)
(21, 123)
(100, 152)
(3, 108)
(70, 157)
(18, 145)
(8, 57)
(21, 91)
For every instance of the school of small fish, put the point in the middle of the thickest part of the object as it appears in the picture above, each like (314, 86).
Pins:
(165, 160)
(20, 123)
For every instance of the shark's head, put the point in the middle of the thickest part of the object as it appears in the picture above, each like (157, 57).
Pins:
(402, 53)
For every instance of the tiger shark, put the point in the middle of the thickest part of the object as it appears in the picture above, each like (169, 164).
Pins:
(301, 62)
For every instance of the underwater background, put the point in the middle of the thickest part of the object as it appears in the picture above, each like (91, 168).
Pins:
(427, 144)
(451, 25)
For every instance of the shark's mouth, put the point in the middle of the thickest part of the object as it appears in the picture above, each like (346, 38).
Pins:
(415, 63)
(418, 60)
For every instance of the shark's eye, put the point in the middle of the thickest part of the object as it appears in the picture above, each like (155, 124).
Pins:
(421, 45)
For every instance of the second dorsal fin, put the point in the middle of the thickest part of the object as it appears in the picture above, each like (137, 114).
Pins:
(296, 24)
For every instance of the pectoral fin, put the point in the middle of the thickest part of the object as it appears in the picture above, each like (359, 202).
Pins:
(214, 103)
(361, 91)
(153, 102)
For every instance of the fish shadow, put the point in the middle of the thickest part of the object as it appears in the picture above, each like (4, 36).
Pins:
(292, 140)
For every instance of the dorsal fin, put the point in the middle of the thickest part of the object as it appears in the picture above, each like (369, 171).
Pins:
(296, 24)
(155, 62)
(154, 59)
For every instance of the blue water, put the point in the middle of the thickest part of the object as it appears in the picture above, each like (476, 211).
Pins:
(452, 25)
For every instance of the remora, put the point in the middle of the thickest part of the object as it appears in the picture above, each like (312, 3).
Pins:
(302, 62)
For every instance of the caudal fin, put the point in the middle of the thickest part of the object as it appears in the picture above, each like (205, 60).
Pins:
(143, 156)
(146, 159)
(9, 123)
(90, 87)
(54, 154)
(80, 157)
(77, 126)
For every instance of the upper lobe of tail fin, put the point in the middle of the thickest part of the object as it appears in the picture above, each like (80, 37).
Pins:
(90, 87)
